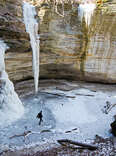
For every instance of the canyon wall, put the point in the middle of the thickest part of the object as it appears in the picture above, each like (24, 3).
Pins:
(12, 31)
(68, 48)
(72, 50)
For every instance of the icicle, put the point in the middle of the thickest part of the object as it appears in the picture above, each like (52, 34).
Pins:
(31, 24)
(86, 10)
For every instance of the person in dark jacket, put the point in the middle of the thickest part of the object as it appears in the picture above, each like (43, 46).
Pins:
(40, 116)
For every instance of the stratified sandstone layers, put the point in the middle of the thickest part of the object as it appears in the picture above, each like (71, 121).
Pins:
(71, 50)
(68, 49)
(12, 31)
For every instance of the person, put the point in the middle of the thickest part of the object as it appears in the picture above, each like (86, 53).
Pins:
(40, 116)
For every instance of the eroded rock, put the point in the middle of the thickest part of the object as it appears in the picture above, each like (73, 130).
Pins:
(69, 49)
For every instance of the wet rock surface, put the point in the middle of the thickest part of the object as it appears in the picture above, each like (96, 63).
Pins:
(113, 127)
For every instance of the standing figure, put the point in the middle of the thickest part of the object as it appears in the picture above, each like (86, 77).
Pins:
(40, 116)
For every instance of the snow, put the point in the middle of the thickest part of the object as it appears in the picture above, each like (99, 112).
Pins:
(85, 113)
(61, 114)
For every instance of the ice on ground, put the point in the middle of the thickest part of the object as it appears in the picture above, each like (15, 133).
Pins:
(83, 112)
(62, 114)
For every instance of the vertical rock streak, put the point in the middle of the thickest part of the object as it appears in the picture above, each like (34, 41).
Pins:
(11, 107)
(31, 24)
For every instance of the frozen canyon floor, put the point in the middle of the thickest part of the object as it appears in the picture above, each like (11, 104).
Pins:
(71, 110)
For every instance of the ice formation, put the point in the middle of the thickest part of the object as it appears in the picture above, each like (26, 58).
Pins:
(86, 10)
(31, 24)
(11, 107)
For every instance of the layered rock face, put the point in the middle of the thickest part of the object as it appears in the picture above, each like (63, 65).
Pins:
(12, 31)
(68, 48)
(71, 50)
(100, 62)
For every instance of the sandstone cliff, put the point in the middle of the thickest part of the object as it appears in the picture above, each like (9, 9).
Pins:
(12, 31)
(71, 50)
(68, 48)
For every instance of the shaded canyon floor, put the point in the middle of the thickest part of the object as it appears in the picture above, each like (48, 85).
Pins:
(72, 110)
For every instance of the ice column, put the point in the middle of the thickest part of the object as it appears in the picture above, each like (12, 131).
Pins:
(31, 24)
(11, 107)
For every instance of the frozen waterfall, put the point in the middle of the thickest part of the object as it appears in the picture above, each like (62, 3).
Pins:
(11, 107)
(85, 10)
(31, 24)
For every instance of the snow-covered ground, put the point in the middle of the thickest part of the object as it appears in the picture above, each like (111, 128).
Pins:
(70, 110)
